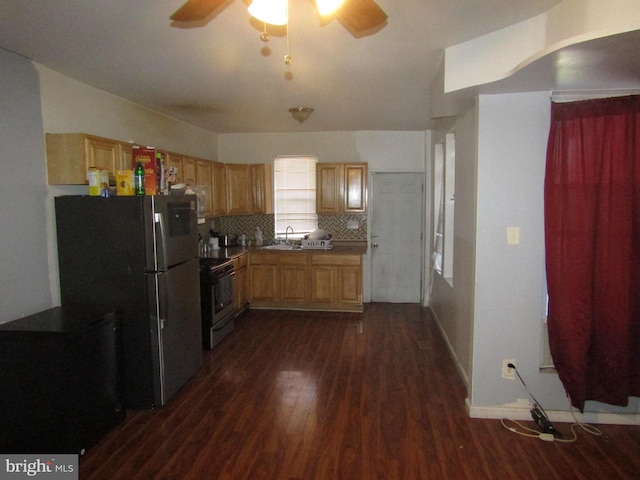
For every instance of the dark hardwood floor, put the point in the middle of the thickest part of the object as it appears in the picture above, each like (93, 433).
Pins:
(311, 395)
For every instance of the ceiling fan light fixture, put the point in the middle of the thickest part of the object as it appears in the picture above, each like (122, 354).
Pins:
(327, 7)
(273, 12)
(301, 113)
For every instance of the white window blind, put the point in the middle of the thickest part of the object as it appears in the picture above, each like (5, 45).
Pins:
(295, 195)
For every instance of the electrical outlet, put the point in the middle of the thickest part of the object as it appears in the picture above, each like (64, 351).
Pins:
(509, 373)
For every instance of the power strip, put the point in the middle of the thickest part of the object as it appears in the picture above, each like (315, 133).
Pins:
(544, 424)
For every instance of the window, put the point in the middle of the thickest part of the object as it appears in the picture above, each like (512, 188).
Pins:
(295, 195)
(444, 200)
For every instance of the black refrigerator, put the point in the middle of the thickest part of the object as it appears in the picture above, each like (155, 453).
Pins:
(137, 255)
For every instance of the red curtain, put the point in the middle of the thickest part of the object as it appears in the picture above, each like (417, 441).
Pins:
(592, 240)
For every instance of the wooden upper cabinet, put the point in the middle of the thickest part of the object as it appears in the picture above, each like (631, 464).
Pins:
(189, 171)
(230, 189)
(341, 187)
(174, 160)
(218, 190)
(261, 188)
(125, 156)
(69, 155)
(355, 188)
(329, 187)
(203, 180)
(249, 188)
(238, 188)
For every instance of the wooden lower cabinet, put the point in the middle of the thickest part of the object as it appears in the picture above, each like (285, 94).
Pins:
(240, 285)
(336, 279)
(263, 283)
(305, 281)
(292, 274)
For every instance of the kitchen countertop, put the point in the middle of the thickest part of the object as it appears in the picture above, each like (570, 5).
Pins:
(339, 248)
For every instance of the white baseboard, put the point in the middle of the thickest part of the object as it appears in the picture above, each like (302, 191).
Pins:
(452, 352)
(518, 413)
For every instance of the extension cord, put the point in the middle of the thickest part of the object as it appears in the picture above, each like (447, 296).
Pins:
(545, 425)
(547, 437)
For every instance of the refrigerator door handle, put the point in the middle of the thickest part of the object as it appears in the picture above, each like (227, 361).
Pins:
(162, 302)
(161, 242)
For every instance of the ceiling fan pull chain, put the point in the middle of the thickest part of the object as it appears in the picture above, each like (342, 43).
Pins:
(264, 36)
(287, 58)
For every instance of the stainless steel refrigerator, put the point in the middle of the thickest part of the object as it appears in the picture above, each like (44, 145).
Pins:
(138, 255)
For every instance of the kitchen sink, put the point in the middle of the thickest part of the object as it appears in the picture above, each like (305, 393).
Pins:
(281, 246)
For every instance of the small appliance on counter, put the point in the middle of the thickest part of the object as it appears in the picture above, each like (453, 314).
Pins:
(224, 240)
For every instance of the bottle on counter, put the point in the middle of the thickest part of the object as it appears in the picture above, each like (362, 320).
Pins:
(138, 179)
(259, 239)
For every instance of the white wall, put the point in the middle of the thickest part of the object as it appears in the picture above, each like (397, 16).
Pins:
(23, 194)
(71, 106)
(35, 100)
(509, 281)
(498, 293)
(384, 151)
(453, 303)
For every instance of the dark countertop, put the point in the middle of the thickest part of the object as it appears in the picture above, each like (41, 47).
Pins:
(339, 248)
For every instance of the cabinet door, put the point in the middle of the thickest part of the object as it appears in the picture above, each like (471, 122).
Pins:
(189, 170)
(263, 283)
(218, 190)
(323, 284)
(293, 277)
(101, 153)
(237, 182)
(329, 187)
(240, 294)
(174, 160)
(261, 189)
(125, 156)
(349, 288)
(240, 290)
(203, 180)
(263, 277)
(355, 189)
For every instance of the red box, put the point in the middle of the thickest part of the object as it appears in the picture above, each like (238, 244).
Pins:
(147, 157)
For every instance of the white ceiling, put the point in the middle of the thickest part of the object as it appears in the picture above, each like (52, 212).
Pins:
(221, 76)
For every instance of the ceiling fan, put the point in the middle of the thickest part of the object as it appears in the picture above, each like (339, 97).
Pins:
(357, 16)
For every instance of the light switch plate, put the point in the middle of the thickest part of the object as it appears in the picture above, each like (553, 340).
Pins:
(513, 235)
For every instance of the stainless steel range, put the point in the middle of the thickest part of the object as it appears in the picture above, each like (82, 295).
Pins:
(216, 299)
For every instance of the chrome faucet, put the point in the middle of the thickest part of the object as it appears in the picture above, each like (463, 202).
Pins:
(286, 234)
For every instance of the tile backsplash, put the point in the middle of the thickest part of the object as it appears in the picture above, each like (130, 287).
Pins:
(343, 227)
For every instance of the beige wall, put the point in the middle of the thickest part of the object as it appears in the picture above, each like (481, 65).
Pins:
(71, 106)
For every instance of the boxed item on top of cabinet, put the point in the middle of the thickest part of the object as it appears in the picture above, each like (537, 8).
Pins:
(152, 168)
(98, 179)
(124, 183)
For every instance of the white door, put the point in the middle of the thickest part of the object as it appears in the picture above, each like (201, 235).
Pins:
(396, 237)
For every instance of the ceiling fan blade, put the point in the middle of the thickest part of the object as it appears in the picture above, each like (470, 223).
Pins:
(361, 15)
(196, 10)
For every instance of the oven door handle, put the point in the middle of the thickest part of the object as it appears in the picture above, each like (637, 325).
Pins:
(220, 276)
